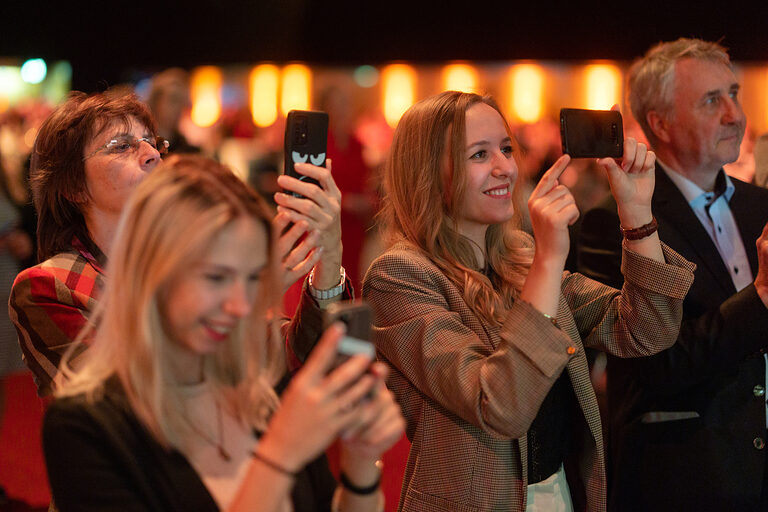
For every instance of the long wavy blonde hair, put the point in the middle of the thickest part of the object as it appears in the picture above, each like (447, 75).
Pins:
(167, 226)
(425, 183)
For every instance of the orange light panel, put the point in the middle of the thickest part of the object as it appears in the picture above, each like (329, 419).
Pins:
(602, 85)
(527, 92)
(263, 86)
(398, 87)
(205, 91)
(297, 80)
(460, 77)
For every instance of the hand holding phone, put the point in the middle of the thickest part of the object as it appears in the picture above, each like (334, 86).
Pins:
(358, 318)
(591, 133)
(306, 141)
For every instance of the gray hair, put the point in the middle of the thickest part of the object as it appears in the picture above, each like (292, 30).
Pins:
(651, 78)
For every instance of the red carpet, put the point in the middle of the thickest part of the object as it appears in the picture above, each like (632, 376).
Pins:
(22, 469)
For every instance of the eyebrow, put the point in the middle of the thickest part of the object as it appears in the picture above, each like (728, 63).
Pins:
(226, 268)
(485, 142)
(716, 92)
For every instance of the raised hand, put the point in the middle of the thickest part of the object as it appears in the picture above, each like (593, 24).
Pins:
(761, 280)
(297, 252)
(320, 208)
(552, 209)
(632, 181)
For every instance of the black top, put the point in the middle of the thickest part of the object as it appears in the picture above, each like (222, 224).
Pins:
(100, 457)
(550, 437)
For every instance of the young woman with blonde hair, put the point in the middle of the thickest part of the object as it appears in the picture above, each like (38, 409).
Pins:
(484, 332)
(160, 412)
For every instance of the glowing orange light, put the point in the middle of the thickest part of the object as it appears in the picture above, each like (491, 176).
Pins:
(459, 77)
(297, 80)
(603, 86)
(205, 91)
(263, 85)
(527, 92)
(398, 87)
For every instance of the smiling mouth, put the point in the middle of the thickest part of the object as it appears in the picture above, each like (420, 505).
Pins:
(498, 192)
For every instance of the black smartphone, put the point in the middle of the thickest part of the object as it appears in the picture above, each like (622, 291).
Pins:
(357, 315)
(306, 140)
(591, 133)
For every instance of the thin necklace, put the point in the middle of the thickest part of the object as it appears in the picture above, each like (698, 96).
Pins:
(223, 453)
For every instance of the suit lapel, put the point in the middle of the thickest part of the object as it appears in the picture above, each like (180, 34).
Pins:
(748, 219)
(681, 229)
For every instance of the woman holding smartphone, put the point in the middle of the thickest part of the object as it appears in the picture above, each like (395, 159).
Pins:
(482, 329)
(171, 407)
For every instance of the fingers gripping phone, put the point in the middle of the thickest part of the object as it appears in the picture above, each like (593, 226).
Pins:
(591, 133)
(306, 140)
(358, 318)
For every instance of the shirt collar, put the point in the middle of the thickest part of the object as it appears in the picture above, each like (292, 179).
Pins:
(96, 258)
(695, 194)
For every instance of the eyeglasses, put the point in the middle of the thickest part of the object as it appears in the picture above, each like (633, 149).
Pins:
(126, 143)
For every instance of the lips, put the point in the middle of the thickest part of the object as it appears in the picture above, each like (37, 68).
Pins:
(501, 191)
(217, 332)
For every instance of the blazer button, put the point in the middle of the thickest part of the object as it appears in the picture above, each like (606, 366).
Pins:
(758, 391)
(758, 443)
(571, 350)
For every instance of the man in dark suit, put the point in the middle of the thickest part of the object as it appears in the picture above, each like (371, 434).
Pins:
(687, 428)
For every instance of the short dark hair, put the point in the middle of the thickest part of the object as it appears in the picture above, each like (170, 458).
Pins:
(57, 169)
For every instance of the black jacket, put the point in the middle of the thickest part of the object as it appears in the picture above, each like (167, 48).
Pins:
(687, 426)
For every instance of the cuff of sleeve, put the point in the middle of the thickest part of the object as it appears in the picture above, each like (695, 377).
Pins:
(672, 278)
(533, 334)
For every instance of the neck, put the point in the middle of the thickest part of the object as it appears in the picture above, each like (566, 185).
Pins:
(702, 175)
(476, 235)
(101, 227)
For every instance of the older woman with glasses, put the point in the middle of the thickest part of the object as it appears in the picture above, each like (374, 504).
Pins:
(89, 156)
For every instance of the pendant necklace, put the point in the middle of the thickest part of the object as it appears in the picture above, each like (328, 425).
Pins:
(223, 453)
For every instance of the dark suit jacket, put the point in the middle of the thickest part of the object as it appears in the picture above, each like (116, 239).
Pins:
(687, 426)
(469, 390)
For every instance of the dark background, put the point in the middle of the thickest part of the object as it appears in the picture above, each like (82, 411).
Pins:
(110, 42)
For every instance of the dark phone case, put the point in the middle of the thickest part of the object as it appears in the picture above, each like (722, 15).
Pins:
(306, 140)
(591, 133)
(356, 315)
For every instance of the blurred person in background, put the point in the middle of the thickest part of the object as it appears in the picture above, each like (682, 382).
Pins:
(168, 99)
(483, 331)
(359, 201)
(687, 426)
(761, 161)
(172, 406)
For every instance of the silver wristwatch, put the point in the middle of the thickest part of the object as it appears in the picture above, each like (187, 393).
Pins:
(327, 294)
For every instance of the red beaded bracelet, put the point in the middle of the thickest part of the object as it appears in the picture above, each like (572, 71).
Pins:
(641, 232)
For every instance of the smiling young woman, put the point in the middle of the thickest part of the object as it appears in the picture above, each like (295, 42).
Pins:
(482, 330)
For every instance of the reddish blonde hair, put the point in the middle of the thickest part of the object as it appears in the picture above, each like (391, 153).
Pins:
(425, 184)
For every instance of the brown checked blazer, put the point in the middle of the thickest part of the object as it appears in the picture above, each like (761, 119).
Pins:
(470, 390)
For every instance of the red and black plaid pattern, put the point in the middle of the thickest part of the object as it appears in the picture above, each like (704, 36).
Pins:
(50, 303)
(469, 390)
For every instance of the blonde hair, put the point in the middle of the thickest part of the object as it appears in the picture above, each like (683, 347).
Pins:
(651, 79)
(168, 225)
(425, 198)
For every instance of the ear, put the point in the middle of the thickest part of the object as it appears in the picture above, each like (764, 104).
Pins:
(659, 125)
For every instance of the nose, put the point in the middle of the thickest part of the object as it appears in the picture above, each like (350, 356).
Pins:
(732, 112)
(504, 166)
(149, 156)
(237, 302)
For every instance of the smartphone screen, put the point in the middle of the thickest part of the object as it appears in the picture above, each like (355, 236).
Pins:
(591, 133)
(306, 140)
